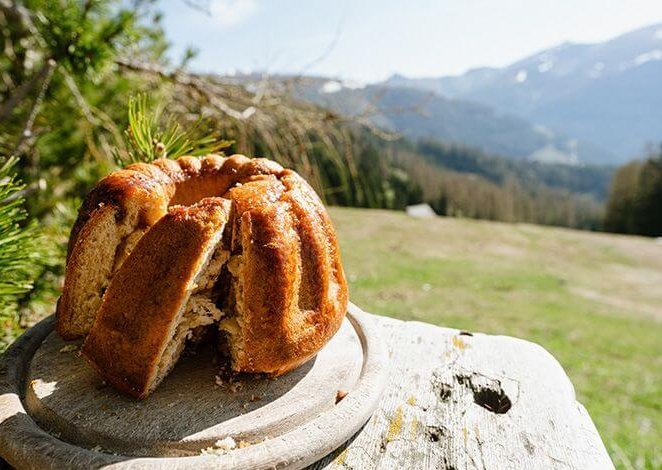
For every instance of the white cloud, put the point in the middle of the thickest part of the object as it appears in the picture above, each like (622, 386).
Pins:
(232, 12)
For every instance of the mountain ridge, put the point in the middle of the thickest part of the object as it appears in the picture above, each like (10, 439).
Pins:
(606, 93)
(423, 114)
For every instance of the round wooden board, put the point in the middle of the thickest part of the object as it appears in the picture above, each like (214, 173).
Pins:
(55, 412)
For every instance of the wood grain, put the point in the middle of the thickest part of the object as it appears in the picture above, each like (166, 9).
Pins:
(464, 401)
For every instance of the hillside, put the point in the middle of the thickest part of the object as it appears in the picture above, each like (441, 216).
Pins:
(589, 180)
(455, 179)
(591, 299)
(419, 113)
(606, 93)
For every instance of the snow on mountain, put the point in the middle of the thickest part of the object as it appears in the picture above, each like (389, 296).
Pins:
(607, 93)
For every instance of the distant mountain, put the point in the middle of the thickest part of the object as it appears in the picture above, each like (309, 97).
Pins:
(609, 93)
(421, 113)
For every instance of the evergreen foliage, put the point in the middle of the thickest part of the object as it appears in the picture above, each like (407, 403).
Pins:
(149, 135)
(635, 199)
(462, 182)
(20, 254)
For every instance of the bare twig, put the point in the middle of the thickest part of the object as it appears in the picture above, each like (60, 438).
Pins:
(329, 48)
(190, 80)
(86, 110)
(24, 90)
(201, 6)
(34, 110)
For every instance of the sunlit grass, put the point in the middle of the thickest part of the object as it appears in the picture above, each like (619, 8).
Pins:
(593, 300)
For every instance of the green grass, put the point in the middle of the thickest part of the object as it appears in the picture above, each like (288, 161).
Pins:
(593, 300)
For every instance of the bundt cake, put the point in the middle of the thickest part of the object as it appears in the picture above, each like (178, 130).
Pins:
(162, 251)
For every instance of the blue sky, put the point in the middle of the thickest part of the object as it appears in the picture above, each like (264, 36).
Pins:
(368, 40)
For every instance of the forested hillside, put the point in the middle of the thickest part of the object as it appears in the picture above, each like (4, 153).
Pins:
(590, 180)
(463, 182)
(635, 200)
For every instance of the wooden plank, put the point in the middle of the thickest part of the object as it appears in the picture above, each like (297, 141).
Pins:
(453, 400)
(456, 400)
(193, 408)
(297, 423)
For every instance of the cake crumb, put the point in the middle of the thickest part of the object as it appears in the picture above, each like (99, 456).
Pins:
(220, 447)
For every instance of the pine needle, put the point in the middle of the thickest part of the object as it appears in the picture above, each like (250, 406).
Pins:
(19, 246)
(151, 135)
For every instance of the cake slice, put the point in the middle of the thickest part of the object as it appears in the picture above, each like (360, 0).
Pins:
(162, 295)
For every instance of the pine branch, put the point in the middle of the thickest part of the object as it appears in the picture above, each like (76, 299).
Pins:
(152, 135)
(19, 253)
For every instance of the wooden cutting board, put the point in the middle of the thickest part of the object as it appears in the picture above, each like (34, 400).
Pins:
(56, 412)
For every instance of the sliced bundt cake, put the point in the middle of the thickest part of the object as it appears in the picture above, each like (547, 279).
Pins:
(143, 275)
(159, 296)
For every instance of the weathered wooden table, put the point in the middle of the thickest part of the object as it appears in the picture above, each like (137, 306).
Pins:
(459, 400)
(452, 400)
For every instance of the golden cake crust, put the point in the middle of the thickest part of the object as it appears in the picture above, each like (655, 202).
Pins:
(293, 293)
(136, 196)
(148, 292)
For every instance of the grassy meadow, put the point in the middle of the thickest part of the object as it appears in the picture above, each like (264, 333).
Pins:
(593, 300)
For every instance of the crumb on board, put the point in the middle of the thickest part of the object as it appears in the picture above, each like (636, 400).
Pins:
(220, 447)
